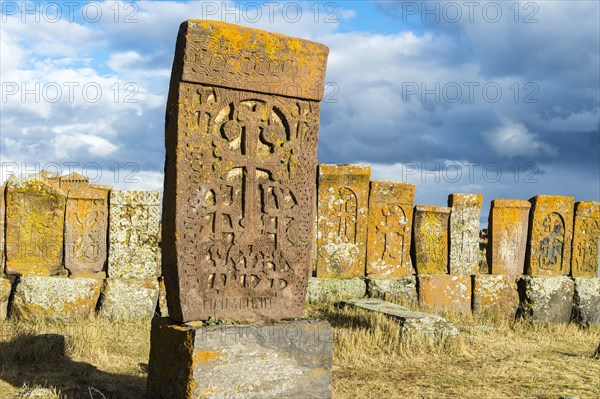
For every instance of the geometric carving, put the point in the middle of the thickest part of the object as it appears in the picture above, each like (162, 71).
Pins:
(239, 175)
(586, 239)
(507, 231)
(430, 239)
(389, 229)
(464, 233)
(342, 220)
(551, 232)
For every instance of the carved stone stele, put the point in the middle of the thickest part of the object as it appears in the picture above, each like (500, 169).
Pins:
(430, 239)
(240, 172)
(586, 237)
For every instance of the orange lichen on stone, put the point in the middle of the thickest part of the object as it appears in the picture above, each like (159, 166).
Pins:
(445, 292)
(205, 357)
(430, 239)
(389, 229)
(342, 220)
(2, 210)
(507, 232)
(586, 239)
(551, 233)
(495, 295)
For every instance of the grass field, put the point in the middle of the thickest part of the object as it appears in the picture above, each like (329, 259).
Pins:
(490, 359)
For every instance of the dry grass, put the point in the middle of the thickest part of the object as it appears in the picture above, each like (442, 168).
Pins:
(491, 359)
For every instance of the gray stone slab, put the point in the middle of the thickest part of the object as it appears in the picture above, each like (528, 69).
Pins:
(324, 289)
(288, 359)
(402, 289)
(129, 299)
(586, 301)
(545, 299)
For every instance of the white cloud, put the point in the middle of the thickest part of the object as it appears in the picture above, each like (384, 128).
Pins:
(66, 145)
(513, 140)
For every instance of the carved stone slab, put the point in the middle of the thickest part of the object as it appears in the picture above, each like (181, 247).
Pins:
(133, 234)
(586, 239)
(342, 220)
(73, 180)
(464, 233)
(550, 232)
(389, 229)
(35, 214)
(240, 173)
(2, 237)
(507, 232)
(430, 239)
(86, 225)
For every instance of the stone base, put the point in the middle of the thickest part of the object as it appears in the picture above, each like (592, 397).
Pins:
(493, 294)
(55, 297)
(5, 290)
(323, 289)
(129, 299)
(402, 289)
(545, 299)
(445, 292)
(288, 359)
(586, 301)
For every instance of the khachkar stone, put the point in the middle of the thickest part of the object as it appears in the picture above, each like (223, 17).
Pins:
(507, 232)
(86, 226)
(430, 239)
(550, 235)
(586, 239)
(241, 142)
(133, 234)
(342, 220)
(464, 233)
(389, 229)
(2, 208)
(73, 180)
(35, 215)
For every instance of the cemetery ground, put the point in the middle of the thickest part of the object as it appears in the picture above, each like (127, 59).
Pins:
(491, 358)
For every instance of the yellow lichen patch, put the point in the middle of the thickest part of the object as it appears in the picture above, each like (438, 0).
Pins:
(431, 239)
(206, 357)
(586, 237)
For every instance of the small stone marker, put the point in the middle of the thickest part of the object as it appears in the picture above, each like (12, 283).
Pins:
(389, 229)
(35, 217)
(551, 232)
(445, 292)
(545, 299)
(430, 241)
(586, 239)
(464, 233)
(133, 234)
(507, 232)
(342, 220)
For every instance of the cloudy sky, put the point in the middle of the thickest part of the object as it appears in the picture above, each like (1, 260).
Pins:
(500, 98)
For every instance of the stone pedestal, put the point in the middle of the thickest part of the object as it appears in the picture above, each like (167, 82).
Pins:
(288, 359)
(586, 301)
(495, 294)
(402, 289)
(445, 292)
(545, 299)
(325, 289)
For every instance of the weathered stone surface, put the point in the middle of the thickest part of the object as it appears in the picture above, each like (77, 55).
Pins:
(35, 213)
(410, 321)
(464, 233)
(551, 232)
(389, 229)
(55, 297)
(5, 290)
(163, 309)
(402, 289)
(445, 292)
(342, 220)
(586, 239)
(507, 232)
(586, 301)
(325, 289)
(240, 172)
(290, 359)
(73, 180)
(495, 294)
(430, 239)
(133, 234)
(2, 210)
(129, 299)
(545, 299)
(86, 225)
(483, 251)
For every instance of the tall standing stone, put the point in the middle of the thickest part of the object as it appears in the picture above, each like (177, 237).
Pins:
(586, 239)
(550, 235)
(2, 211)
(133, 234)
(507, 232)
(342, 220)
(35, 214)
(430, 239)
(464, 233)
(389, 229)
(240, 173)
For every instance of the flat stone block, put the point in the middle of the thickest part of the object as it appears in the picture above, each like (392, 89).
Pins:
(55, 297)
(430, 239)
(288, 359)
(5, 289)
(323, 289)
(411, 321)
(586, 301)
(545, 299)
(495, 294)
(445, 292)
(403, 289)
(129, 299)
